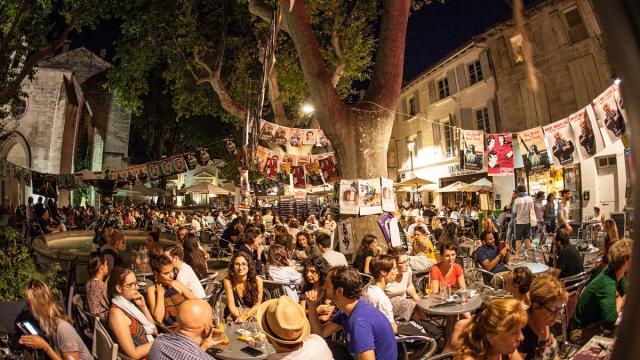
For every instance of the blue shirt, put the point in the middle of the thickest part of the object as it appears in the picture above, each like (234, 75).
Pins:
(368, 329)
(176, 346)
(489, 253)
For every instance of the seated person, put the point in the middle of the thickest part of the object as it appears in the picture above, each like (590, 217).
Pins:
(252, 245)
(49, 225)
(282, 236)
(232, 233)
(333, 257)
(367, 250)
(243, 288)
(153, 243)
(569, 260)
(314, 273)
(96, 287)
(185, 275)
(129, 319)
(305, 247)
(424, 256)
(602, 300)
(384, 270)
(279, 268)
(447, 272)
(165, 294)
(401, 291)
(491, 258)
(518, 283)
(112, 249)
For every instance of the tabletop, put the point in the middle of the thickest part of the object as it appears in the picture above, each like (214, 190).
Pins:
(535, 268)
(598, 347)
(427, 303)
(232, 351)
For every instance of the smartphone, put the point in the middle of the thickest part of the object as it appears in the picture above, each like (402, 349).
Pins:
(27, 328)
(251, 351)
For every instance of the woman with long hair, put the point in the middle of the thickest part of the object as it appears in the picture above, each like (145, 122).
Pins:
(436, 227)
(129, 318)
(96, 287)
(166, 294)
(314, 274)
(283, 237)
(293, 226)
(243, 288)
(367, 250)
(63, 340)
(494, 333)
(549, 214)
(548, 298)
(305, 246)
(518, 283)
(252, 245)
(279, 268)
(401, 291)
(384, 270)
(447, 272)
(193, 256)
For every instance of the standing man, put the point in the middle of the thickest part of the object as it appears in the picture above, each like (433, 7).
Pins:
(369, 332)
(522, 206)
(563, 210)
(38, 208)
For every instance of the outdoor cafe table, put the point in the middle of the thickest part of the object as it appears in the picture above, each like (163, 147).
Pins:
(536, 268)
(450, 312)
(598, 347)
(232, 351)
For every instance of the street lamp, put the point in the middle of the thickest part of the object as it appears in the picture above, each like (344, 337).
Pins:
(411, 145)
(308, 109)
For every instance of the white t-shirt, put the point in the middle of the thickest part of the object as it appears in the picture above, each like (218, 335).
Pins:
(195, 225)
(335, 258)
(379, 300)
(313, 348)
(188, 277)
(522, 207)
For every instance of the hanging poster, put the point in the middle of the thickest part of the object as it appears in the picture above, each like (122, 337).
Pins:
(179, 164)
(244, 181)
(534, 151)
(295, 137)
(202, 154)
(267, 130)
(291, 159)
(499, 154)
(271, 165)
(285, 168)
(348, 197)
(310, 136)
(190, 159)
(608, 114)
(383, 222)
(314, 174)
(166, 167)
(345, 236)
(229, 145)
(370, 201)
(142, 173)
(323, 140)
(154, 170)
(298, 177)
(560, 138)
(262, 153)
(282, 135)
(45, 185)
(473, 146)
(303, 159)
(388, 198)
(328, 166)
(394, 231)
(589, 142)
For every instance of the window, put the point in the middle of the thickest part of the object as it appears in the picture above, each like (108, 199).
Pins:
(450, 141)
(518, 50)
(575, 26)
(435, 130)
(412, 106)
(475, 72)
(19, 108)
(482, 119)
(443, 88)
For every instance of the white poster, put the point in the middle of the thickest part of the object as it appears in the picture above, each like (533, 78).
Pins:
(349, 197)
(609, 113)
(345, 235)
(370, 200)
(394, 231)
(388, 197)
(583, 123)
(560, 137)
(473, 147)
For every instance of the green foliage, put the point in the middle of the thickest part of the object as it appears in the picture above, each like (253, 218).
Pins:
(18, 267)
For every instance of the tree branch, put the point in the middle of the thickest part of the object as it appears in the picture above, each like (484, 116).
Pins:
(24, 7)
(214, 79)
(274, 98)
(337, 43)
(387, 76)
(260, 9)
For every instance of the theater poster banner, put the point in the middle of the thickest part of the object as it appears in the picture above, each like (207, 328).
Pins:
(328, 167)
(345, 237)
(388, 198)
(349, 196)
(560, 137)
(586, 132)
(369, 197)
(608, 111)
(499, 149)
(473, 149)
(267, 130)
(534, 151)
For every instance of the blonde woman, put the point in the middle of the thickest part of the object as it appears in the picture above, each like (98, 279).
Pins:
(63, 340)
(493, 334)
(436, 227)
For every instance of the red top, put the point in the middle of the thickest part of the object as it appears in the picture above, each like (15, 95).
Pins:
(436, 274)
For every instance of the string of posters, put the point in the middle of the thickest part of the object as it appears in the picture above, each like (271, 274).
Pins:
(562, 143)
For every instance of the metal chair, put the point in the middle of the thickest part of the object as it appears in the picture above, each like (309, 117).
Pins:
(421, 282)
(277, 288)
(475, 278)
(424, 352)
(104, 348)
(574, 286)
(443, 356)
(366, 279)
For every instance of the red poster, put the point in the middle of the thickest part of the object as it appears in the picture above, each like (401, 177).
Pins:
(499, 149)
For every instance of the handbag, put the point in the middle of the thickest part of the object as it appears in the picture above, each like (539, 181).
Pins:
(533, 220)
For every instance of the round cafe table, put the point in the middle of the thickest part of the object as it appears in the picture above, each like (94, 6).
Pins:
(232, 351)
(451, 312)
(536, 268)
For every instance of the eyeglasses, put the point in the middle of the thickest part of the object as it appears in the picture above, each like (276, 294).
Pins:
(554, 310)
(131, 286)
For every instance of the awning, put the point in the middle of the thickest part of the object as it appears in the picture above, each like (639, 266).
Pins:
(416, 181)
(483, 184)
(206, 188)
(428, 187)
(455, 187)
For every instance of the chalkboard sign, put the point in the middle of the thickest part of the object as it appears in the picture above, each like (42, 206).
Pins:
(619, 218)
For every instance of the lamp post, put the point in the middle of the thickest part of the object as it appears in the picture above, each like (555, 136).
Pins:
(411, 145)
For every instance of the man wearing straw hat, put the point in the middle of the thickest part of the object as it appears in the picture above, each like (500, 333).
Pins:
(285, 325)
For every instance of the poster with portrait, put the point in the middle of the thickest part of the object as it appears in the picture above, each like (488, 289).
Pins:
(346, 242)
(244, 181)
(499, 148)
(323, 140)
(587, 135)
(348, 196)
(281, 136)
(190, 160)
(202, 154)
(560, 137)
(328, 166)
(303, 159)
(299, 181)
(295, 137)
(142, 173)
(370, 199)
(473, 149)
(310, 136)
(166, 167)
(271, 165)
(535, 156)
(609, 113)
(267, 130)
(314, 174)
(179, 164)
(288, 161)
(45, 185)
(229, 145)
(261, 156)
(388, 198)
(154, 170)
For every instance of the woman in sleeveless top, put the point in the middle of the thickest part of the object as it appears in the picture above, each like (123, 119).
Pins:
(129, 318)
(166, 294)
(243, 288)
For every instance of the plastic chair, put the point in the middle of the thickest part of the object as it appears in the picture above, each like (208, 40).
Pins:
(104, 348)
(430, 346)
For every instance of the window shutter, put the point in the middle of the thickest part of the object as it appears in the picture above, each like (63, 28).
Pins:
(433, 96)
(530, 116)
(491, 110)
(416, 99)
(451, 79)
(404, 109)
(484, 64)
(462, 77)
(558, 29)
(435, 129)
(466, 119)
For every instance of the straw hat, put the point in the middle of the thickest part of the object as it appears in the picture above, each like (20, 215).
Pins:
(283, 321)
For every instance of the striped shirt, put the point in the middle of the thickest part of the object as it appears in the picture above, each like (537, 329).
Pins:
(176, 346)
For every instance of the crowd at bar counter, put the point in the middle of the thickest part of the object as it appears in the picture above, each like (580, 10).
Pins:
(462, 284)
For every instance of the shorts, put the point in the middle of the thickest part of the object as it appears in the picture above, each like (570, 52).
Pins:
(523, 231)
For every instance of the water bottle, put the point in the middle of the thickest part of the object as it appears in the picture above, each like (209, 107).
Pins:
(448, 290)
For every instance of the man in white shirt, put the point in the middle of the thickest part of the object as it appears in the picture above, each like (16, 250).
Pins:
(522, 207)
(334, 258)
(186, 275)
(195, 224)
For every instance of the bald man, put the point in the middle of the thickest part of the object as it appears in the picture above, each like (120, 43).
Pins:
(194, 337)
